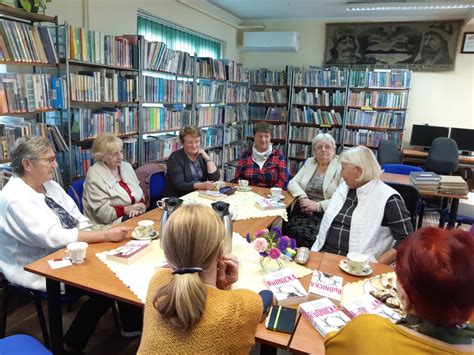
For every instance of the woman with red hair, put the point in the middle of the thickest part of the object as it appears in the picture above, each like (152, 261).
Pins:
(435, 283)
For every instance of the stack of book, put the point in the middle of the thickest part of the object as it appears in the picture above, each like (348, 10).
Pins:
(425, 181)
(454, 185)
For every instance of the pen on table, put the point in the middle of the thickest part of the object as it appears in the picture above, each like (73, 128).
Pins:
(58, 259)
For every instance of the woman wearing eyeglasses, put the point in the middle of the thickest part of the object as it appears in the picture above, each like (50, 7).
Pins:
(313, 186)
(37, 219)
(112, 192)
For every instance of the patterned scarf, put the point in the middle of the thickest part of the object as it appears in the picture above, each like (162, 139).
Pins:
(67, 221)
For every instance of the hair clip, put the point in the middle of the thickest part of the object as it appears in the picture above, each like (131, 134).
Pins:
(187, 270)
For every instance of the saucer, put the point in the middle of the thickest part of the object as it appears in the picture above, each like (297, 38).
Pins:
(244, 190)
(275, 198)
(367, 270)
(151, 236)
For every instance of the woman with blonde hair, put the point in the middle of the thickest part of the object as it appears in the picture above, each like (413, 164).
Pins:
(112, 193)
(190, 307)
(364, 215)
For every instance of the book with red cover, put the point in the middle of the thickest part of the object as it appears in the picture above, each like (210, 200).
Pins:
(326, 285)
(129, 252)
(286, 288)
(369, 305)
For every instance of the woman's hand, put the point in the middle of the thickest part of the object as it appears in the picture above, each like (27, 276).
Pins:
(135, 209)
(227, 272)
(308, 206)
(205, 156)
(116, 234)
(205, 185)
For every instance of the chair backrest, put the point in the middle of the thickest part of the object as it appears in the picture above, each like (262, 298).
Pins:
(410, 196)
(388, 153)
(157, 185)
(22, 344)
(443, 157)
(400, 169)
(75, 190)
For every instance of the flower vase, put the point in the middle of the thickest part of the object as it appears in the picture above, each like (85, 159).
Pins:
(269, 264)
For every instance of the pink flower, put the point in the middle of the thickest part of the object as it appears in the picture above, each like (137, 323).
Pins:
(260, 244)
(274, 253)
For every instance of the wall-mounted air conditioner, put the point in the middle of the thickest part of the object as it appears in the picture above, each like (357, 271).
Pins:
(271, 41)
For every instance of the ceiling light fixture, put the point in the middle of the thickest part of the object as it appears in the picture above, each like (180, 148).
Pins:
(411, 8)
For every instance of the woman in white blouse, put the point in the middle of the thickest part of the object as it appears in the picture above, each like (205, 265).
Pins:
(313, 186)
(112, 192)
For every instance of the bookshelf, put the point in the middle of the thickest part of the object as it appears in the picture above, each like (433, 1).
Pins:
(376, 106)
(318, 99)
(29, 52)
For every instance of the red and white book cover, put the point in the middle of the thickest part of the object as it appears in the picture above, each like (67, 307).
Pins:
(369, 305)
(326, 285)
(286, 288)
(323, 315)
(130, 251)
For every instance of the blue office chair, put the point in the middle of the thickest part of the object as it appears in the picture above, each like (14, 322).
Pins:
(22, 344)
(400, 169)
(157, 185)
(460, 219)
(75, 190)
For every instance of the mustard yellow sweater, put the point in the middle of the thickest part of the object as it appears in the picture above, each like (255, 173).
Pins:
(227, 326)
(373, 335)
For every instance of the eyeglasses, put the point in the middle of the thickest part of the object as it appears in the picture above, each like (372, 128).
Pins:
(50, 160)
(325, 147)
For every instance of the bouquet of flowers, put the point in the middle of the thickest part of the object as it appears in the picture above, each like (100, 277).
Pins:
(272, 243)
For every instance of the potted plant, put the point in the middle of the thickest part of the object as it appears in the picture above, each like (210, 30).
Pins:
(32, 5)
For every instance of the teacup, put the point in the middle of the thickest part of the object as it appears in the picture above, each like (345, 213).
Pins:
(356, 261)
(276, 192)
(219, 184)
(144, 228)
(243, 184)
(76, 252)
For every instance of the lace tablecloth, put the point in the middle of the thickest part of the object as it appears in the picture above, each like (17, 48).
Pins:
(242, 205)
(137, 275)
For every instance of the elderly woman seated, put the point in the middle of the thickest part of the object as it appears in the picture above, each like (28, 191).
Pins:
(435, 278)
(37, 219)
(190, 307)
(364, 215)
(190, 168)
(112, 192)
(262, 165)
(313, 186)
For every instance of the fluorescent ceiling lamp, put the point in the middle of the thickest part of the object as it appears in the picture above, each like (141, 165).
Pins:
(411, 8)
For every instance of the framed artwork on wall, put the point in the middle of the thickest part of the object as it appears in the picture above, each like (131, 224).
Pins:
(468, 43)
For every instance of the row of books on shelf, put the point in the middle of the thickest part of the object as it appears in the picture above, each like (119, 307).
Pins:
(236, 114)
(323, 98)
(382, 99)
(210, 68)
(276, 131)
(164, 118)
(89, 123)
(216, 156)
(269, 95)
(229, 173)
(300, 151)
(237, 93)
(25, 92)
(314, 76)
(234, 151)
(294, 166)
(233, 134)
(279, 114)
(159, 147)
(268, 77)
(81, 161)
(167, 90)
(380, 78)
(318, 116)
(212, 137)
(209, 92)
(209, 115)
(382, 119)
(370, 138)
(97, 86)
(96, 47)
(308, 133)
(24, 43)
(159, 57)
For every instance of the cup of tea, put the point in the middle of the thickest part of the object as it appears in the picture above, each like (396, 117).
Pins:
(356, 261)
(243, 184)
(76, 252)
(276, 192)
(219, 184)
(144, 228)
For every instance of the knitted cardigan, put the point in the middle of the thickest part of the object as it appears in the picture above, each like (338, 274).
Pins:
(227, 326)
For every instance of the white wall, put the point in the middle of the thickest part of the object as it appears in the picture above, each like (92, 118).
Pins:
(120, 17)
(436, 98)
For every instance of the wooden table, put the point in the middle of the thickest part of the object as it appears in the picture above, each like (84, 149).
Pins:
(306, 339)
(96, 277)
(405, 180)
